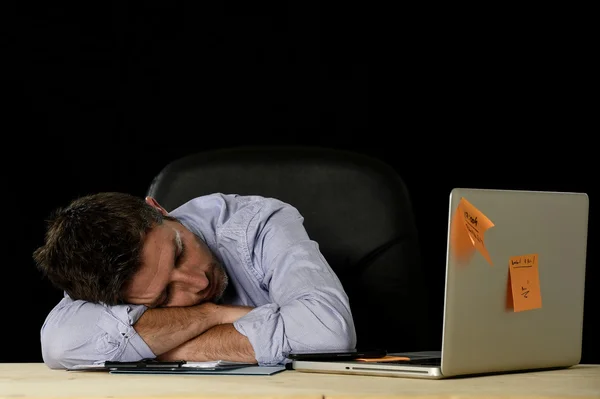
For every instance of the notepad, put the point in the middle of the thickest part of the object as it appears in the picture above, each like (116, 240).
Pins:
(155, 365)
(249, 370)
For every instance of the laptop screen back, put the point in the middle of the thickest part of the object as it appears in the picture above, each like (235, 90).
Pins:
(489, 325)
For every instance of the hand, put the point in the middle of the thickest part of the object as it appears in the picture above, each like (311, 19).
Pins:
(230, 313)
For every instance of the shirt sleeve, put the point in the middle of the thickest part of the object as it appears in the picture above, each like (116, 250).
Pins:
(79, 332)
(309, 308)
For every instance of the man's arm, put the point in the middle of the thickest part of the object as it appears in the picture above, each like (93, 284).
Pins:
(79, 332)
(309, 308)
(222, 342)
(164, 329)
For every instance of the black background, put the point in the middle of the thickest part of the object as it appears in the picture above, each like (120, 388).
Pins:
(99, 99)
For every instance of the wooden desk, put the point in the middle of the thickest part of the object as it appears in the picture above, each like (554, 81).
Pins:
(35, 380)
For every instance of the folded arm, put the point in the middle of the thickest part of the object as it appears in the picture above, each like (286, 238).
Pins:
(195, 333)
(221, 342)
(78, 332)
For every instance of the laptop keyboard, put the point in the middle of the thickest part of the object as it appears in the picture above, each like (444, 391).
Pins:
(428, 361)
(424, 361)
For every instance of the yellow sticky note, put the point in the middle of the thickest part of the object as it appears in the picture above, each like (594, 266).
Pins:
(524, 283)
(467, 232)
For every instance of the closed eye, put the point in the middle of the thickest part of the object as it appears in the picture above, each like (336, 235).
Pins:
(167, 296)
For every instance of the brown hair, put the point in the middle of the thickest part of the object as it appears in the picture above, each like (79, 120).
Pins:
(93, 246)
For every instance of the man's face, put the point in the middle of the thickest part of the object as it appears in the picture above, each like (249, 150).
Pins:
(177, 269)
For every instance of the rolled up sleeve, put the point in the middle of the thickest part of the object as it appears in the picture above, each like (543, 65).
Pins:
(78, 332)
(309, 308)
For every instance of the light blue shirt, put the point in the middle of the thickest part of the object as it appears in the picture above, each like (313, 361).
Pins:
(299, 303)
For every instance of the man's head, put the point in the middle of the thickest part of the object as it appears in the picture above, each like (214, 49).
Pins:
(117, 248)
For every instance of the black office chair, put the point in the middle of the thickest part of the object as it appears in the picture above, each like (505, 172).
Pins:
(357, 208)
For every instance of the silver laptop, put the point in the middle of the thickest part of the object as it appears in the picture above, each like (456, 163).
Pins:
(493, 324)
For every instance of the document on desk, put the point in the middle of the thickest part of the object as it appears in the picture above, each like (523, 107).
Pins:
(151, 366)
(248, 370)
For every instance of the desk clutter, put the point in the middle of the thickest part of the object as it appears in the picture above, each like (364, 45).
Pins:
(150, 366)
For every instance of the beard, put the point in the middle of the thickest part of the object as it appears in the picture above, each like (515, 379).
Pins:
(222, 279)
(219, 273)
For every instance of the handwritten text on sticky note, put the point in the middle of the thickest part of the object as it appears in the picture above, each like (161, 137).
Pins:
(524, 282)
(467, 231)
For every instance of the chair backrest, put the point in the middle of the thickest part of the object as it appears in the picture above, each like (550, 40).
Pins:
(356, 207)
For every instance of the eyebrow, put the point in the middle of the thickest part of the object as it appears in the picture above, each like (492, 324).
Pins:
(178, 244)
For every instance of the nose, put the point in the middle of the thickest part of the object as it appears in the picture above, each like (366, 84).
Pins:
(194, 282)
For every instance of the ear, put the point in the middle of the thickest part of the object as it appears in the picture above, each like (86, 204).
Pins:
(153, 203)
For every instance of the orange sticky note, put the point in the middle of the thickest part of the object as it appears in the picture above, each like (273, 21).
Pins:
(467, 231)
(524, 283)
